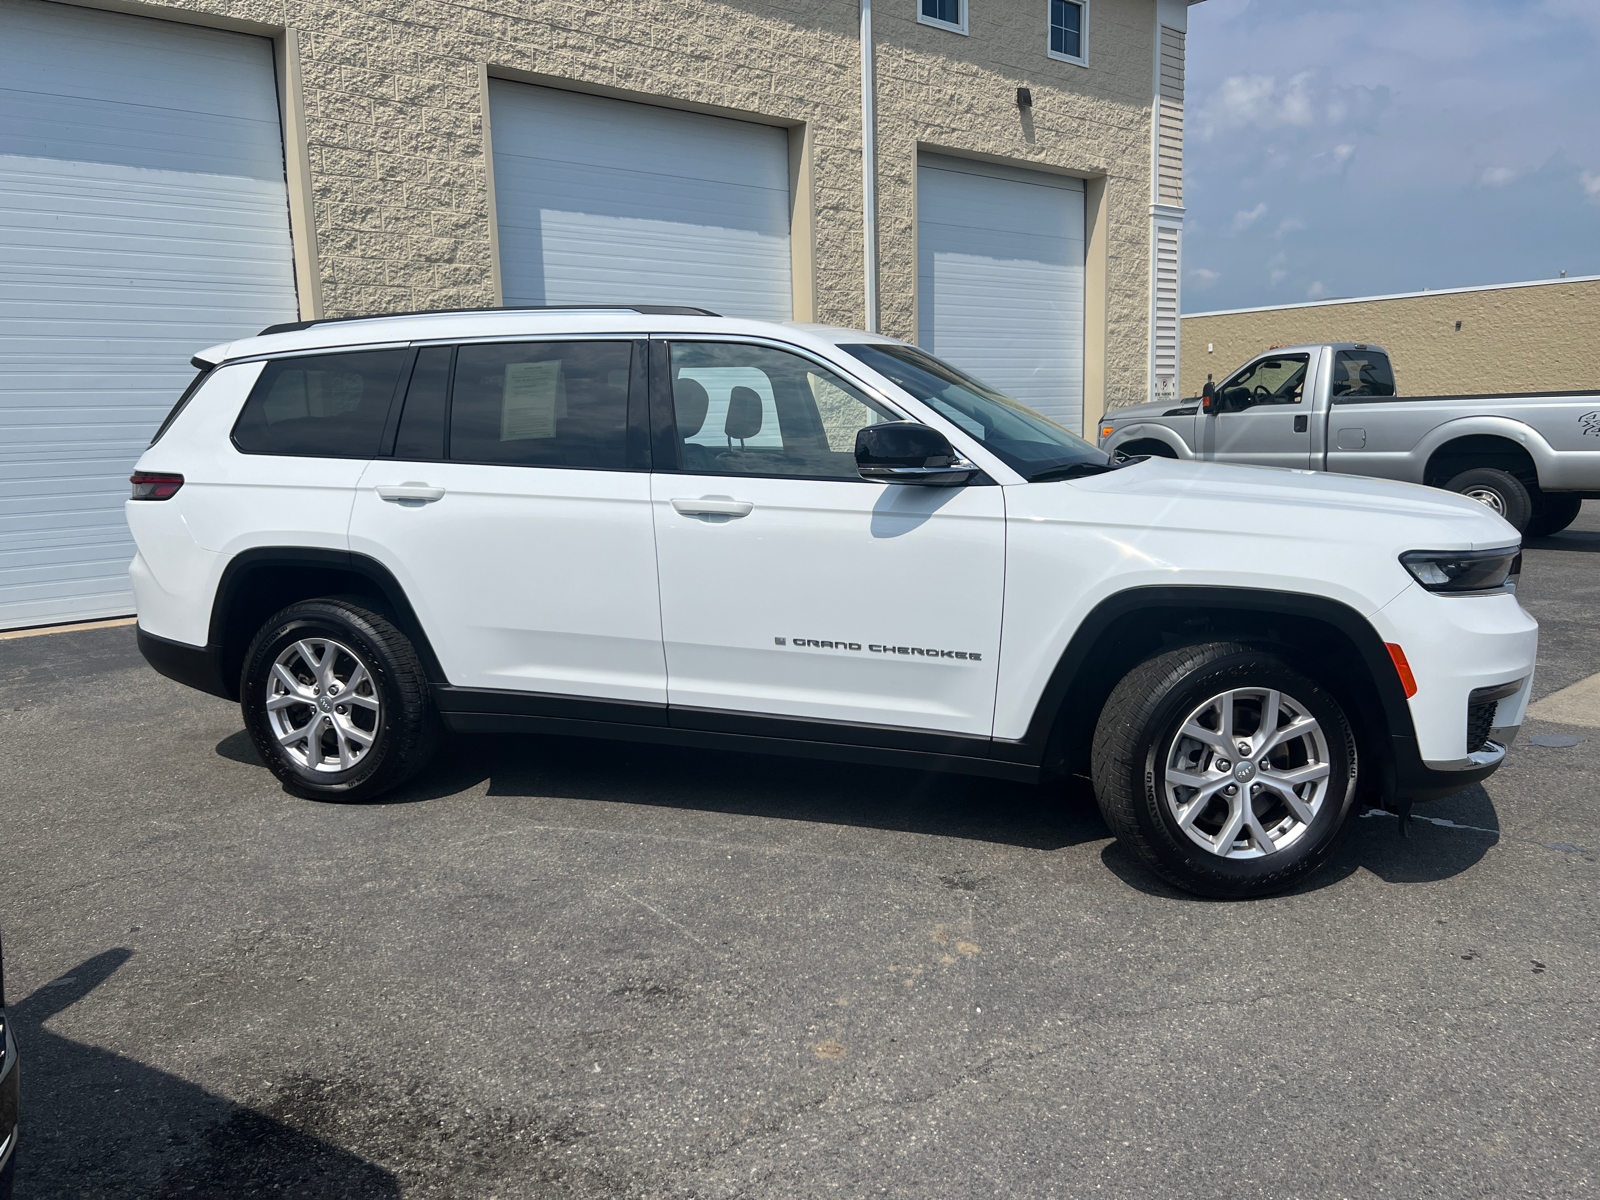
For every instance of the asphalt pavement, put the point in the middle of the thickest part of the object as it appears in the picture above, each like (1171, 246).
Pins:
(588, 970)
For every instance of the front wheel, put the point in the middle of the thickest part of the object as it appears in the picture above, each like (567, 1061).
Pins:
(1225, 770)
(336, 701)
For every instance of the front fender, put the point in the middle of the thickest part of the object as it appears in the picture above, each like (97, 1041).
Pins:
(1148, 433)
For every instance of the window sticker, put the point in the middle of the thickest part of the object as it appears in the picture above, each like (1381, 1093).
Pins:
(528, 406)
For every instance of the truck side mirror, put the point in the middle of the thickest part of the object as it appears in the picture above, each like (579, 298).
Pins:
(1208, 398)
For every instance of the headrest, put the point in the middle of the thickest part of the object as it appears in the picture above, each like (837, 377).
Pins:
(744, 414)
(689, 404)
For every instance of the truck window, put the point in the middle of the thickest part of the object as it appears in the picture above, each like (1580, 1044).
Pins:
(1276, 380)
(1362, 373)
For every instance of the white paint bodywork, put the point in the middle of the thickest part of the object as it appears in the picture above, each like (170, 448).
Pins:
(563, 567)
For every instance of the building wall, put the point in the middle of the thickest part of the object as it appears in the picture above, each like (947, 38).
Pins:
(1541, 337)
(385, 112)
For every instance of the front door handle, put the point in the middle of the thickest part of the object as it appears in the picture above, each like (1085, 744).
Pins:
(1300, 424)
(417, 493)
(712, 506)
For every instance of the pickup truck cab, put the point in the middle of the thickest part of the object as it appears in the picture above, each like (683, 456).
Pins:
(663, 525)
(1531, 457)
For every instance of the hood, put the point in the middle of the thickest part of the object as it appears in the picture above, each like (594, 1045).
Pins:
(1127, 413)
(1336, 507)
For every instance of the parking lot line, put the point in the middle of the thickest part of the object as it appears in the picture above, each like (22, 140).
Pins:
(41, 630)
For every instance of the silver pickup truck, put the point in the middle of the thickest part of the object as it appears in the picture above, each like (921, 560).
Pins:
(1532, 457)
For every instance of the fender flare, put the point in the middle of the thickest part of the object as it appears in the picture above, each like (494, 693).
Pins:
(1486, 425)
(246, 562)
(1149, 433)
(1403, 774)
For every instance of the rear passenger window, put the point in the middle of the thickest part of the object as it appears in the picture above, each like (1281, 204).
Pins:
(1362, 373)
(320, 406)
(542, 404)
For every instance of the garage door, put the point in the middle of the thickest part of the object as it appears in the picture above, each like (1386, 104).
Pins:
(143, 216)
(1000, 279)
(606, 201)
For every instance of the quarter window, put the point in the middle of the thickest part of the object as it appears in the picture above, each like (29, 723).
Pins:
(1068, 32)
(753, 410)
(320, 406)
(946, 14)
(541, 404)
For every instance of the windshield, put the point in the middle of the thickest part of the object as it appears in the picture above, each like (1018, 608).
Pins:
(1025, 441)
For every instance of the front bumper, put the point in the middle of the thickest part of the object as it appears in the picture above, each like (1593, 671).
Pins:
(1457, 645)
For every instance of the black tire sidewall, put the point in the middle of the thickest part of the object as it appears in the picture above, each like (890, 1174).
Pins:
(319, 619)
(1514, 494)
(1190, 865)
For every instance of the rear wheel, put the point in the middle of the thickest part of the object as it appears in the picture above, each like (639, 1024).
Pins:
(336, 701)
(1553, 513)
(1225, 770)
(1498, 490)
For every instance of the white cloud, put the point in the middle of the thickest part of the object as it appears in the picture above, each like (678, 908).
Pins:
(1300, 102)
(1342, 153)
(1316, 291)
(1203, 276)
(1288, 225)
(1243, 219)
(1590, 182)
(1496, 176)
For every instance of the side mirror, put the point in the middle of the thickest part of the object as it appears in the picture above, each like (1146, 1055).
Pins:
(906, 452)
(1208, 398)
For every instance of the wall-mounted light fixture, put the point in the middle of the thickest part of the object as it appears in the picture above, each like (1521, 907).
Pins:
(1024, 97)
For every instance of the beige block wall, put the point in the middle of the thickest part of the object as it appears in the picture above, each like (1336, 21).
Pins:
(1543, 338)
(391, 100)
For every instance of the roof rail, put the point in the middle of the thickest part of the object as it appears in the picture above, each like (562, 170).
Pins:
(648, 310)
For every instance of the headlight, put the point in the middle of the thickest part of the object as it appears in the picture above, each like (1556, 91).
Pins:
(1465, 570)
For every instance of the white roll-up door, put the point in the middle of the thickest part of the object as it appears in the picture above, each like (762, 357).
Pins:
(1000, 279)
(611, 202)
(143, 216)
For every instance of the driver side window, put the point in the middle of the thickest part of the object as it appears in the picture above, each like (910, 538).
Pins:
(1277, 380)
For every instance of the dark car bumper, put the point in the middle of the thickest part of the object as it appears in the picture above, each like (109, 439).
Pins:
(198, 667)
(8, 1118)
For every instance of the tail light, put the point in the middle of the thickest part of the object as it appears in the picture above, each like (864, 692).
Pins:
(147, 485)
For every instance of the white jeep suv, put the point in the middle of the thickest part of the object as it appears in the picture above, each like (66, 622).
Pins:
(663, 525)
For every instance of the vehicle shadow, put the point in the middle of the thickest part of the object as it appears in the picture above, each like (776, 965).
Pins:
(1584, 541)
(97, 1123)
(1428, 854)
(756, 785)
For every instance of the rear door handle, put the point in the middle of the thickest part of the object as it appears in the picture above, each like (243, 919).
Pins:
(712, 506)
(421, 493)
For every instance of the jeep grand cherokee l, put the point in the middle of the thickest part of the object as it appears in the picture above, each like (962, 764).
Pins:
(668, 526)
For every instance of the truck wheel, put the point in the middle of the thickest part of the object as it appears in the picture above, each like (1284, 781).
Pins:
(336, 701)
(1497, 489)
(1224, 770)
(1554, 513)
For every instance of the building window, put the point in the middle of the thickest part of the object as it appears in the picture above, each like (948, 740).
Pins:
(1069, 34)
(946, 14)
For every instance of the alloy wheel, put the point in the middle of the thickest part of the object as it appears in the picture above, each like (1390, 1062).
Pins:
(1247, 773)
(322, 705)
(1488, 497)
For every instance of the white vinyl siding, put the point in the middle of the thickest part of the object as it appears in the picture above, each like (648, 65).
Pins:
(1000, 254)
(1164, 323)
(143, 216)
(607, 201)
(1169, 116)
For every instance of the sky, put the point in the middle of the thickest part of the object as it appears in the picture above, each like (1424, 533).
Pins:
(1361, 147)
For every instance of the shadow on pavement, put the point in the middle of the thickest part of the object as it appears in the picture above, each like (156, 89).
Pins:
(95, 1123)
(1374, 844)
(1586, 541)
(789, 789)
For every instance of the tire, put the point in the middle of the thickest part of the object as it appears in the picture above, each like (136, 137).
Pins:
(1553, 513)
(1172, 827)
(388, 705)
(1496, 489)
